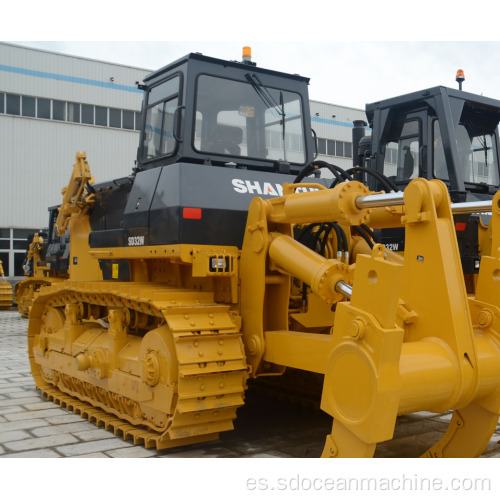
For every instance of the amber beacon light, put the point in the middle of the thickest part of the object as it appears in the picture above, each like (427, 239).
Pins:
(247, 54)
(460, 78)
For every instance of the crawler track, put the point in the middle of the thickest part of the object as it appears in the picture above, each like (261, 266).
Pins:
(174, 373)
(25, 290)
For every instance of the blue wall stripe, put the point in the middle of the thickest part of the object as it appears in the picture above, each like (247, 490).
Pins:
(334, 122)
(72, 79)
(331, 122)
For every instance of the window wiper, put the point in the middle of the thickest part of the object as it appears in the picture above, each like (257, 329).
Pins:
(485, 148)
(270, 102)
(264, 93)
(282, 103)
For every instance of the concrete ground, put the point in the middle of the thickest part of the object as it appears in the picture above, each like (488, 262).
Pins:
(30, 426)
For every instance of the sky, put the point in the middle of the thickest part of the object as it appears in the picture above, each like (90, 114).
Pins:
(354, 54)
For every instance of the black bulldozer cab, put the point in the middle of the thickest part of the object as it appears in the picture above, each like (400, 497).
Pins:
(438, 133)
(210, 111)
(214, 135)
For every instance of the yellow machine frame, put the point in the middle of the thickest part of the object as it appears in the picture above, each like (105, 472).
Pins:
(161, 358)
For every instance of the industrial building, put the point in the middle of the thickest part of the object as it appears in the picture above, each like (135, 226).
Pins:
(53, 105)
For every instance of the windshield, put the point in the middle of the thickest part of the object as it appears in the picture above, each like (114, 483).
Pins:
(241, 119)
(476, 155)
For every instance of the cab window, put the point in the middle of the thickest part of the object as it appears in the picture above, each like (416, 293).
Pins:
(476, 155)
(401, 160)
(163, 101)
(248, 119)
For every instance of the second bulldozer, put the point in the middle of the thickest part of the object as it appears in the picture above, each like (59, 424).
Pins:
(5, 290)
(46, 262)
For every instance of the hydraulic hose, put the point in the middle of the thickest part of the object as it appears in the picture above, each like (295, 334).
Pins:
(364, 235)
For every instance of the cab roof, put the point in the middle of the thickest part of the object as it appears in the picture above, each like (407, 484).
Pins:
(196, 56)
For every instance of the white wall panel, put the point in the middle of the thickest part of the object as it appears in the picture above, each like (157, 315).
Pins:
(69, 78)
(331, 121)
(37, 158)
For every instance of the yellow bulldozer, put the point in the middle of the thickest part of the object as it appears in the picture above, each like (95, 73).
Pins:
(46, 262)
(220, 262)
(5, 290)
